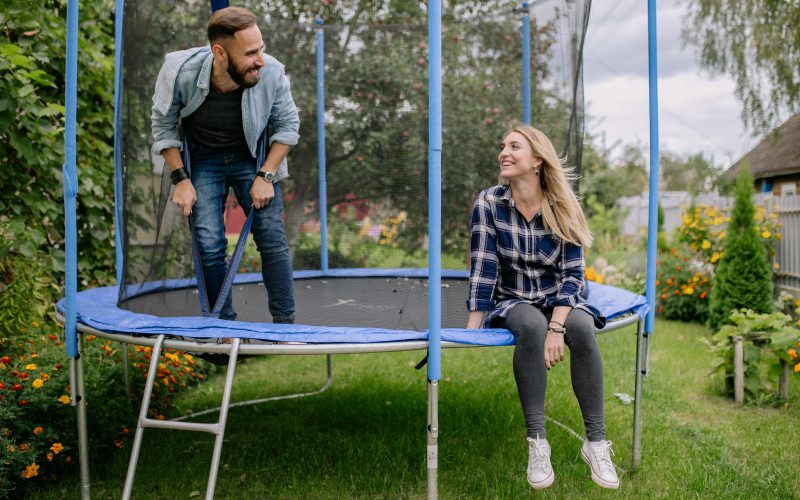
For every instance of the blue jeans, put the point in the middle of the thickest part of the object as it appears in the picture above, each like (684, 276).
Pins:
(214, 172)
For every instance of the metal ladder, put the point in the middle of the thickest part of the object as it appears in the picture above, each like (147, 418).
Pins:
(217, 428)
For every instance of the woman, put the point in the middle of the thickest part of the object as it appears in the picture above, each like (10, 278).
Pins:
(527, 272)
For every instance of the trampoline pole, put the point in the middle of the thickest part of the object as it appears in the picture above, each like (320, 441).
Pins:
(434, 237)
(323, 187)
(636, 452)
(433, 438)
(78, 385)
(526, 64)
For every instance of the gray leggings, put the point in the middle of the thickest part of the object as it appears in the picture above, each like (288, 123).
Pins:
(529, 326)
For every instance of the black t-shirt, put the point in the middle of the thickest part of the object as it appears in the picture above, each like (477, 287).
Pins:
(217, 123)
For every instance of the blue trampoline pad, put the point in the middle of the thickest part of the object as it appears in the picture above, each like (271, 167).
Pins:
(339, 306)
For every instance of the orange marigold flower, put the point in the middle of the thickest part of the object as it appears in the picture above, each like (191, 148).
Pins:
(24, 447)
(37, 430)
(56, 448)
(119, 443)
(30, 471)
(5, 360)
(663, 295)
(49, 457)
(64, 400)
(38, 383)
(704, 295)
(797, 368)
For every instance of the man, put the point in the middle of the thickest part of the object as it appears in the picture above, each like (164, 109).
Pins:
(224, 96)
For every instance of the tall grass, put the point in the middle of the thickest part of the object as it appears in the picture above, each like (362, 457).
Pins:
(365, 437)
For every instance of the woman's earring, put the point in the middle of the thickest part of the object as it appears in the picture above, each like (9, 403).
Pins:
(536, 172)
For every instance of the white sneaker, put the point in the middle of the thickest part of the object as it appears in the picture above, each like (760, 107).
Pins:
(598, 456)
(540, 472)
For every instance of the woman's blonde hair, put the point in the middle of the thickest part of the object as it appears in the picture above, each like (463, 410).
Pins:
(561, 211)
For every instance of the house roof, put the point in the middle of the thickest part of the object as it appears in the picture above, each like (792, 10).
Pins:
(777, 154)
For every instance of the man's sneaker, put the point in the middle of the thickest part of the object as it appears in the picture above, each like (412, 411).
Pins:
(598, 456)
(540, 472)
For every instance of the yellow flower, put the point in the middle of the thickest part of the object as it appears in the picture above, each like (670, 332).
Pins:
(30, 471)
(30, 367)
(714, 257)
(39, 430)
(64, 400)
(706, 244)
(11, 448)
(56, 448)
(687, 290)
(37, 383)
(766, 234)
(35, 324)
(797, 368)
(792, 353)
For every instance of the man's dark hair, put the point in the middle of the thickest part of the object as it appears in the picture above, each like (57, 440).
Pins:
(224, 23)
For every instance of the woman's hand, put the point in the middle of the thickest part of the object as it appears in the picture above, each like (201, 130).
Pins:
(475, 319)
(553, 349)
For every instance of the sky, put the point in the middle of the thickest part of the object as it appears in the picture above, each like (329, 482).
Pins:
(698, 113)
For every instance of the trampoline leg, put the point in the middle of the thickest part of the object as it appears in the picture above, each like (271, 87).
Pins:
(125, 375)
(433, 438)
(140, 425)
(223, 418)
(641, 339)
(78, 390)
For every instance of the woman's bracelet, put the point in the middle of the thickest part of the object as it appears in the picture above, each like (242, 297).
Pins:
(555, 329)
(556, 322)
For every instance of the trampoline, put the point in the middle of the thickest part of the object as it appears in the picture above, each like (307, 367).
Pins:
(340, 309)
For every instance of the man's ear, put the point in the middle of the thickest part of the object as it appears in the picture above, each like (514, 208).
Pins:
(219, 52)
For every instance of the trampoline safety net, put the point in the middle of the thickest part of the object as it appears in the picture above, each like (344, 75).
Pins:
(376, 131)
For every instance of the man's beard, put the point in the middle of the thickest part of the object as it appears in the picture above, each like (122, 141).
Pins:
(239, 75)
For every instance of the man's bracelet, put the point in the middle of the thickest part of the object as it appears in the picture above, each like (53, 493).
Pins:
(555, 329)
(178, 175)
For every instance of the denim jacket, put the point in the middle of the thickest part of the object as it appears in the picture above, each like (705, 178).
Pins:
(183, 85)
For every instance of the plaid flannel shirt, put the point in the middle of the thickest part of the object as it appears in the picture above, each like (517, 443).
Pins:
(514, 261)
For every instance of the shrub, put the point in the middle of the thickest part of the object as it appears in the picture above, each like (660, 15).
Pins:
(38, 428)
(703, 230)
(743, 278)
(32, 61)
(770, 338)
(682, 286)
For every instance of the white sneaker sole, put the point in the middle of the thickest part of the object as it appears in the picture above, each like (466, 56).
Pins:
(597, 479)
(546, 483)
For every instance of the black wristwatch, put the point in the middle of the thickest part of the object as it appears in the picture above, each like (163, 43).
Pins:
(267, 176)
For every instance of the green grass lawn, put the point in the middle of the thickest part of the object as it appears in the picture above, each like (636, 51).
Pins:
(365, 437)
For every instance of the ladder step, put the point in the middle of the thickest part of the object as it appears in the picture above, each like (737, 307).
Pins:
(213, 428)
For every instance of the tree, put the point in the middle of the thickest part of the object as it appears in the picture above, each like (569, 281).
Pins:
(743, 277)
(693, 173)
(757, 43)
